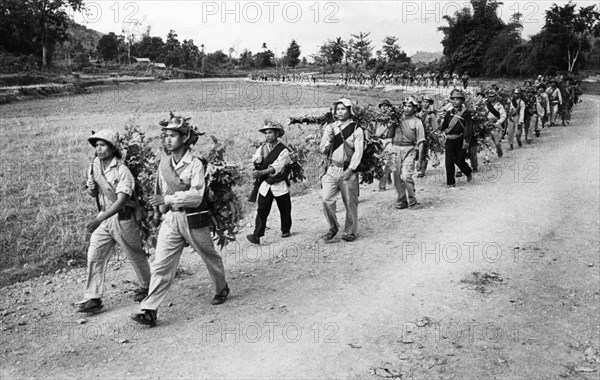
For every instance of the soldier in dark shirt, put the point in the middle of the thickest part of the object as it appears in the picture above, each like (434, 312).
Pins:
(458, 127)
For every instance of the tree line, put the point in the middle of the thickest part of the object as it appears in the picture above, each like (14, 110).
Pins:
(476, 41)
(479, 42)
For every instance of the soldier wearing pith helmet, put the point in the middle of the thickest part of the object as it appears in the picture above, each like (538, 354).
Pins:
(496, 115)
(458, 127)
(343, 143)
(408, 141)
(181, 199)
(271, 163)
(429, 116)
(113, 185)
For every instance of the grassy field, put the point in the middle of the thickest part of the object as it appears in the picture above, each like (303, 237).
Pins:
(45, 154)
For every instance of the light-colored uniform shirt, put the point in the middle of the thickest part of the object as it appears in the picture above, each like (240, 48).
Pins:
(279, 188)
(555, 95)
(191, 175)
(117, 175)
(517, 114)
(493, 119)
(542, 104)
(356, 141)
(409, 131)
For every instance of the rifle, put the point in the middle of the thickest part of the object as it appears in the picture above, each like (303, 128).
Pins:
(95, 196)
(254, 194)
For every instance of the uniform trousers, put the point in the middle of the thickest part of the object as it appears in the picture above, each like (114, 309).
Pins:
(403, 170)
(333, 183)
(113, 231)
(455, 155)
(173, 234)
(515, 129)
(535, 123)
(284, 203)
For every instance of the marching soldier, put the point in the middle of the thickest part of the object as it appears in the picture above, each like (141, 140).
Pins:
(516, 119)
(556, 101)
(465, 80)
(458, 127)
(389, 111)
(111, 182)
(343, 143)
(496, 118)
(543, 107)
(181, 198)
(408, 138)
(271, 162)
(446, 79)
(429, 116)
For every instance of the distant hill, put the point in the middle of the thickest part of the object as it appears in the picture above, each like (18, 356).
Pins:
(426, 57)
(82, 41)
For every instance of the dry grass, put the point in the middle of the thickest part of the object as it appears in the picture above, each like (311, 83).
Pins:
(45, 154)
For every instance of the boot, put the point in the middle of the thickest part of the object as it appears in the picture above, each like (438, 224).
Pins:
(510, 147)
(519, 142)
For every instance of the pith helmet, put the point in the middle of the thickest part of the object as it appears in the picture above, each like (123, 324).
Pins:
(456, 93)
(273, 125)
(385, 103)
(345, 102)
(109, 136)
(428, 98)
(411, 100)
(177, 123)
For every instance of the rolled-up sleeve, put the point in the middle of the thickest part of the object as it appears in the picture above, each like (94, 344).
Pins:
(327, 139)
(192, 197)
(257, 157)
(521, 111)
(420, 132)
(359, 144)
(282, 160)
(502, 118)
(126, 183)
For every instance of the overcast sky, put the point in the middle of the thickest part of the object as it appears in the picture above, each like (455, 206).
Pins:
(247, 24)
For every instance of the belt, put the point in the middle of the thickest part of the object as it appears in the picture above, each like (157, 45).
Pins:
(453, 137)
(403, 144)
(187, 210)
(338, 164)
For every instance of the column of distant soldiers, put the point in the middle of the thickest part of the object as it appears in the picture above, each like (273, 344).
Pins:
(404, 78)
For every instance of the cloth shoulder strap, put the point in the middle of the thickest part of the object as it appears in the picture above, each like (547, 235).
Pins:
(492, 109)
(341, 137)
(103, 185)
(171, 177)
(457, 117)
(272, 156)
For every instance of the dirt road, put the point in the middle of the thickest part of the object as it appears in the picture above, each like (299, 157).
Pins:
(495, 279)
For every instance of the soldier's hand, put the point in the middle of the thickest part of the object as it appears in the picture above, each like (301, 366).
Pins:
(157, 200)
(92, 225)
(348, 174)
(91, 187)
(465, 145)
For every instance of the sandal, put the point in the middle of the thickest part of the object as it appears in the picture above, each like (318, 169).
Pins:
(329, 235)
(148, 318)
(90, 306)
(349, 237)
(220, 298)
(139, 294)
